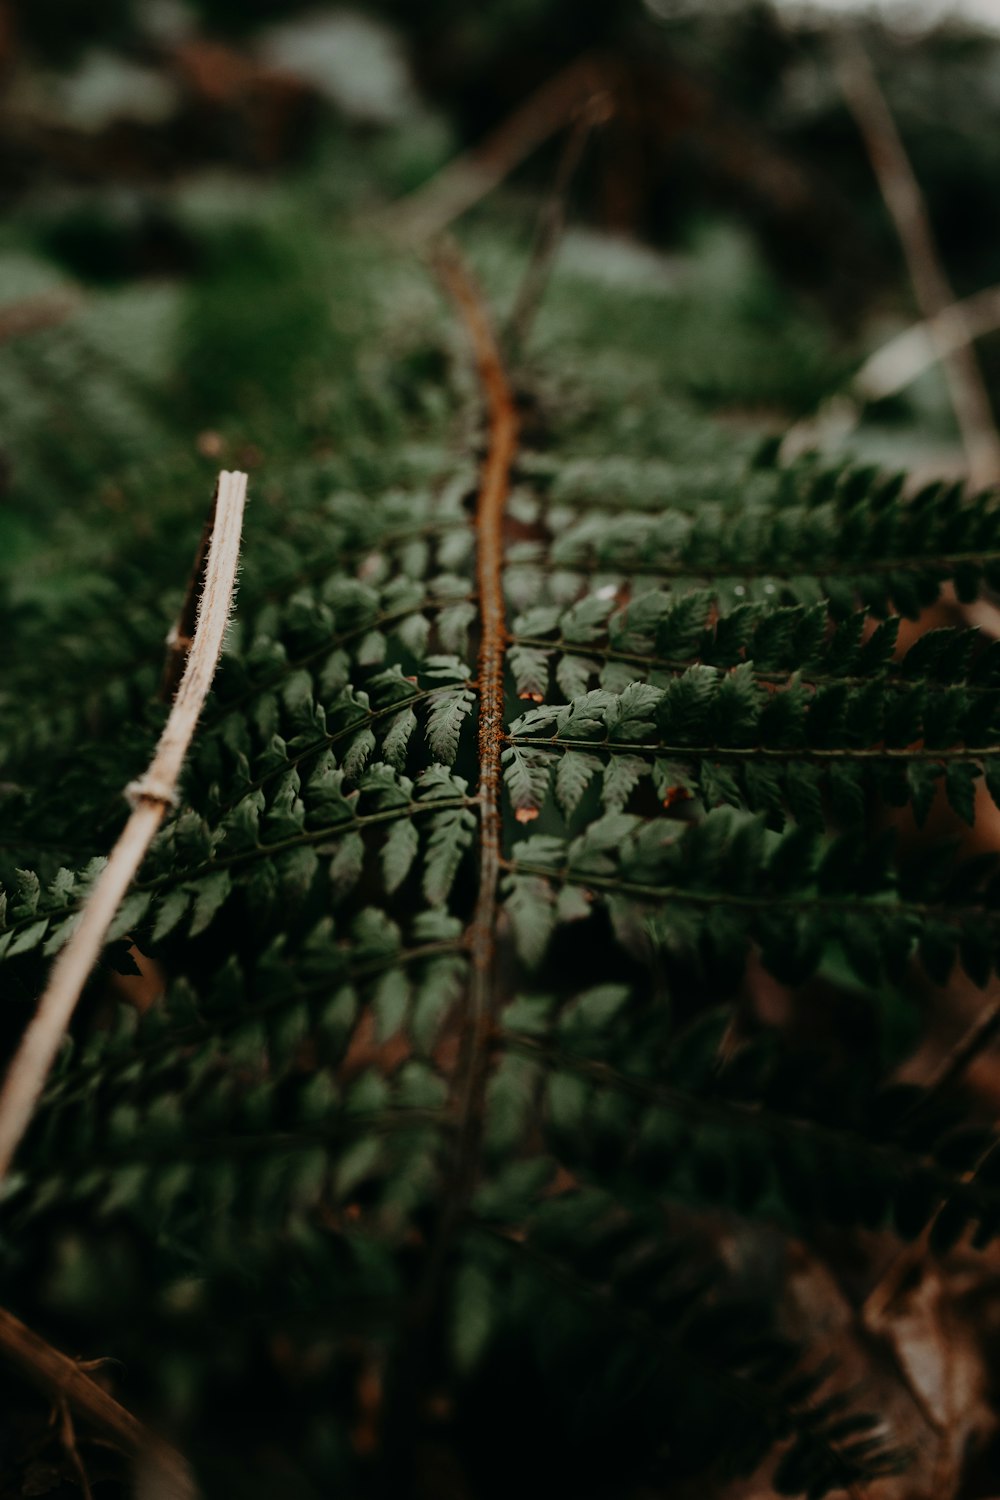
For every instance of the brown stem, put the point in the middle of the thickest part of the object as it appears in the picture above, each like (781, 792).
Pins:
(407, 1378)
(493, 490)
(62, 1379)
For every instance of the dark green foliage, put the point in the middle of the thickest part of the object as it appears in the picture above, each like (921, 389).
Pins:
(304, 1146)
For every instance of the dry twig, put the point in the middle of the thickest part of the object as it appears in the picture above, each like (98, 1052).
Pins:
(552, 220)
(893, 366)
(429, 210)
(150, 797)
(896, 363)
(70, 1388)
(906, 204)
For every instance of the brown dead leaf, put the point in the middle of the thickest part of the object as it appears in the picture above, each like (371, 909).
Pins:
(144, 989)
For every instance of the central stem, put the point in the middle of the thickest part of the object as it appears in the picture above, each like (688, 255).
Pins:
(407, 1379)
(493, 490)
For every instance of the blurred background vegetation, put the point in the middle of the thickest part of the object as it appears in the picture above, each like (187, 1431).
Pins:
(152, 149)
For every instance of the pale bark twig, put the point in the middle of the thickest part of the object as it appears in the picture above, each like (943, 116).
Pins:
(150, 798)
(906, 205)
(899, 361)
(893, 366)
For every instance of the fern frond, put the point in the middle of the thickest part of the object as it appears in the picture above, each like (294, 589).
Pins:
(453, 1050)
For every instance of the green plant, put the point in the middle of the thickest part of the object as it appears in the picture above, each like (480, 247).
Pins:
(455, 1142)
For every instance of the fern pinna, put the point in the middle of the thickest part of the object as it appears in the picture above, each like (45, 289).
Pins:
(456, 1155)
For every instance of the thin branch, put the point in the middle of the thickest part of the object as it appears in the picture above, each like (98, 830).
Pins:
(62, 1379)
(897, 363)
(905, 202)
(892, 367)
(429, 210)
(150, 797)
(552, 220)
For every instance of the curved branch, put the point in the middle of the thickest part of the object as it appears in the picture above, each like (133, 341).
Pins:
(62, 1379)
(898, 362)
